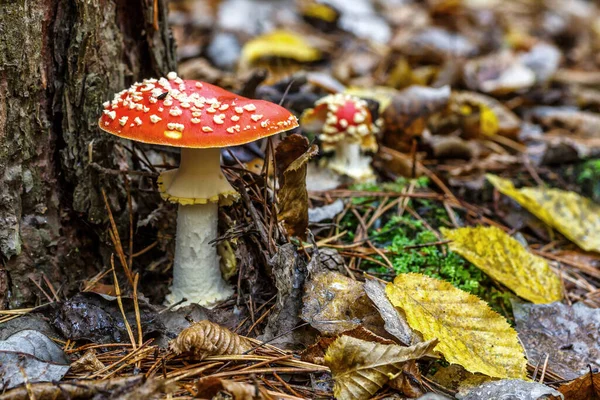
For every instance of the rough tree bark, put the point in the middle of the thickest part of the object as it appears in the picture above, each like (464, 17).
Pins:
(59, 60)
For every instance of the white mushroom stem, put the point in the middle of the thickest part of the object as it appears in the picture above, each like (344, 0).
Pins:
(196, 273)
(348, 159)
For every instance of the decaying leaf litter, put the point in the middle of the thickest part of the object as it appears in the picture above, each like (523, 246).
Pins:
(456, 229)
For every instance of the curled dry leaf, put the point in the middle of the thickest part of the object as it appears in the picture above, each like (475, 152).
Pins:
(507, 261)
(206, 338)
(88, 362)
(360, 368)
(470, 332)
(292, 157)
(576, 217)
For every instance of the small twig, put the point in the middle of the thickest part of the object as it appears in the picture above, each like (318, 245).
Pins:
(120, 302)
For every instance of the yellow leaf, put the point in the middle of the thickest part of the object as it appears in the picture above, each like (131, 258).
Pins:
(470, 333)
(488, 121)
(576, 217)
(320, 11)
(507, 261)
(280, 43)
(360, 368)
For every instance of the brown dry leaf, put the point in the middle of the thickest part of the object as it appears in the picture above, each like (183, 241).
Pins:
(470, 332)
(507, 261)
(88, 362)
(586, 387)
(360, 368)
(576, 217)
(409, 382)
(481, 115)
(407, 114)
(334, 303)
(206, 338)
(315, 353)
(292, 156)
(210, 387)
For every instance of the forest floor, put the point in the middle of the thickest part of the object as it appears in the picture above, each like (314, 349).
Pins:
(461, 261)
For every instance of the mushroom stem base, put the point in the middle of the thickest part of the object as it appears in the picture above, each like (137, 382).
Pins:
(196, 273)
(349, 160)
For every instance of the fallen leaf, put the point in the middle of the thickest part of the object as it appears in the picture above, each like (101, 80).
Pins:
(481, 115)
(360, 368)
(409, 382)
(334, 303)
(88, 362)
(394, 321)
(433, 44)
(206, 338)
(98, 318)
(498, 74)
(210, 387)
(292, 155)
(568, 335)
(470, 333)
(29, 356)
(507, 261)
(406, 116)
(315, 353)
(576, 217)
(282, 44)
(513, 389)
(586, 387)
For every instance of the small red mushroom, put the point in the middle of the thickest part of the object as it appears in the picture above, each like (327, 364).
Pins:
(346, 128)
(201, 119)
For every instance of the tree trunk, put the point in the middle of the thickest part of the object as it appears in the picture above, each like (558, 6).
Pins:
(59, 61)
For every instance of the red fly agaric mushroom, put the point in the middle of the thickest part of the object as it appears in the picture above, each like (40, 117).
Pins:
(201, 119)
(347, 128)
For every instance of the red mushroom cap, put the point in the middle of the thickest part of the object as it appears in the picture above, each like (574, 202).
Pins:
(185, 113)
(342, 117)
